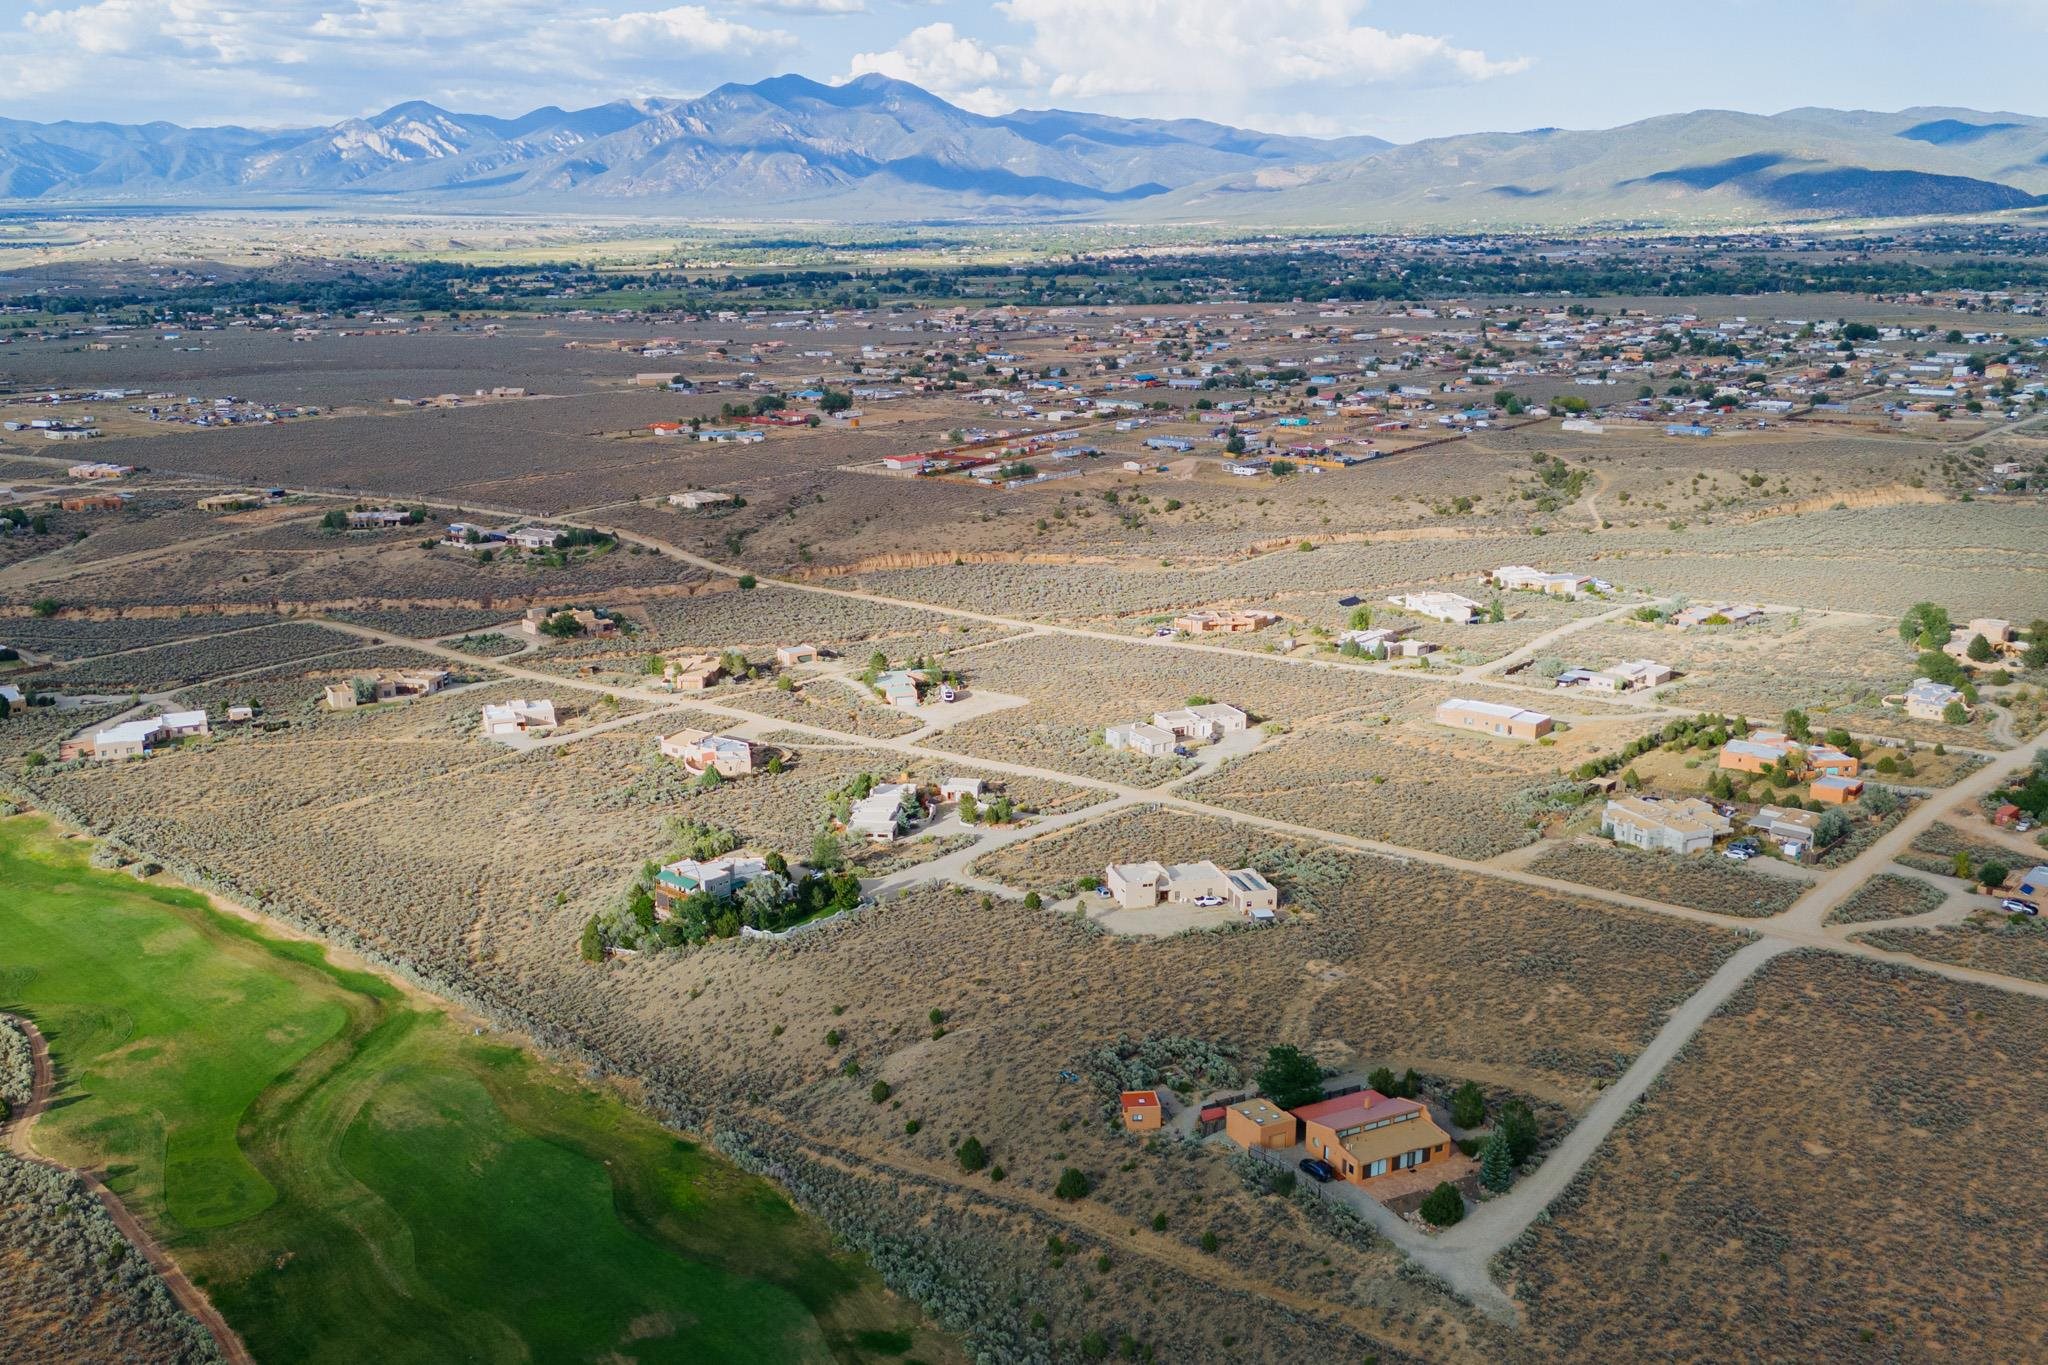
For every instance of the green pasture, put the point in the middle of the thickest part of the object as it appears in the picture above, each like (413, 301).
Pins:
(351, 1176)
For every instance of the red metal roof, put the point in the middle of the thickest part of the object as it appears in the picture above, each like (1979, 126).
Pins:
(1346, 1111)
(1141, 1099)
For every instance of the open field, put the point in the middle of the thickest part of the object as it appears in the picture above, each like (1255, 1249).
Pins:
(1888, 896)
(1986, 942)
(1876, 1075)
(1704, 883)
(1791, 1155)
(297, 1132)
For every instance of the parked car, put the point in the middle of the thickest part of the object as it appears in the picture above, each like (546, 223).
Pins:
(1208, 900)
(1738, 853)
(1319, 1171)
(1102, 891)
(2013, 905)
(1164, 632)
(946, 693)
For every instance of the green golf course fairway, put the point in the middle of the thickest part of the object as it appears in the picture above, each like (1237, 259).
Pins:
(351, 1176)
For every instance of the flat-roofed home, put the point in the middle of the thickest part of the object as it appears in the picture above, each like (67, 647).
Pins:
(589, 621)
(954, 788)
(1786, 826)
(1440, 606)
(690, 672)
(1632, 676)
(1997, 633)
(1687, 826)
(1757, 751)
(700, 751)
(1836, 791)
(1377, 639)
(1210, 720)
(1143, 1113)
(1493, 718)
(1140, 737)
(879, 816)
(1832, 762)
(789, 656)
(1223, 622)
(377, 518)
(899, 688)
(1927, 699)
(518, 717)
(1140, 886)
(1260, 1123)
(1366, 1135)
(533, 537)
(1523, 578)
(720, 876)
(699, 498)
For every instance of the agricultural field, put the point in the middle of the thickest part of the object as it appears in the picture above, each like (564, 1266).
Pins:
(1704, 883)
(1677, 1234)
(205, 1116)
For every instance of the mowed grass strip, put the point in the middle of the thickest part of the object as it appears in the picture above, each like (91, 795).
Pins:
(352, 1176)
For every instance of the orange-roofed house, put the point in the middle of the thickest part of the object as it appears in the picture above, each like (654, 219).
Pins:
(1143, 1113)
(1259, 1123)
(1365, 1134)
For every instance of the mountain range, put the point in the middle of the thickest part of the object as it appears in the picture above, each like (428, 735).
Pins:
(876, 149)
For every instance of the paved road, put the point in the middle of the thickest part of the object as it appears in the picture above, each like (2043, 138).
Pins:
(174, 1278)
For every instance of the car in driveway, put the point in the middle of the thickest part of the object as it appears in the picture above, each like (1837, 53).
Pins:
(2014, 905)
(1206, 901)
(1738, 853)
(1319, 1171)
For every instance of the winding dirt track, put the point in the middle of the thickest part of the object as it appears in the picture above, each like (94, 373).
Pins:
(182, 1289)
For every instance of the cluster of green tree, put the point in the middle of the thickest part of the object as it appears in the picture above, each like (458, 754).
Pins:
(1704, 731)
(774, 901)
(36, 522)
(1307, 271)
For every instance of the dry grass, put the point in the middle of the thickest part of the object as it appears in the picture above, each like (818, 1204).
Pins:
(1704, 883)
(1888, 896)
(1802, 1226)
(1987, 942)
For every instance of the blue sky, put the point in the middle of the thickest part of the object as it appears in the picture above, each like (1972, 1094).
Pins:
(1400, 70)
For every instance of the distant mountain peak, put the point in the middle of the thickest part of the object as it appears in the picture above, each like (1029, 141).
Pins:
(875, 148)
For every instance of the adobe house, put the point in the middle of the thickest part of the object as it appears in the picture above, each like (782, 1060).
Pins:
(1143, 1113)
(1260, 1123)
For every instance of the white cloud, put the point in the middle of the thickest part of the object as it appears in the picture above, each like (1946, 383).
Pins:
(808, 6)
(950, 64)
(1170, 56)
(690, 26)
(307, 61)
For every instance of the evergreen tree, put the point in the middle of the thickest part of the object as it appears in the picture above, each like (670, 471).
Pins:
(1444, 1206)
(1516, 1124)
(1290, 1077)
(1468, 1105)
(1496, 1165)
